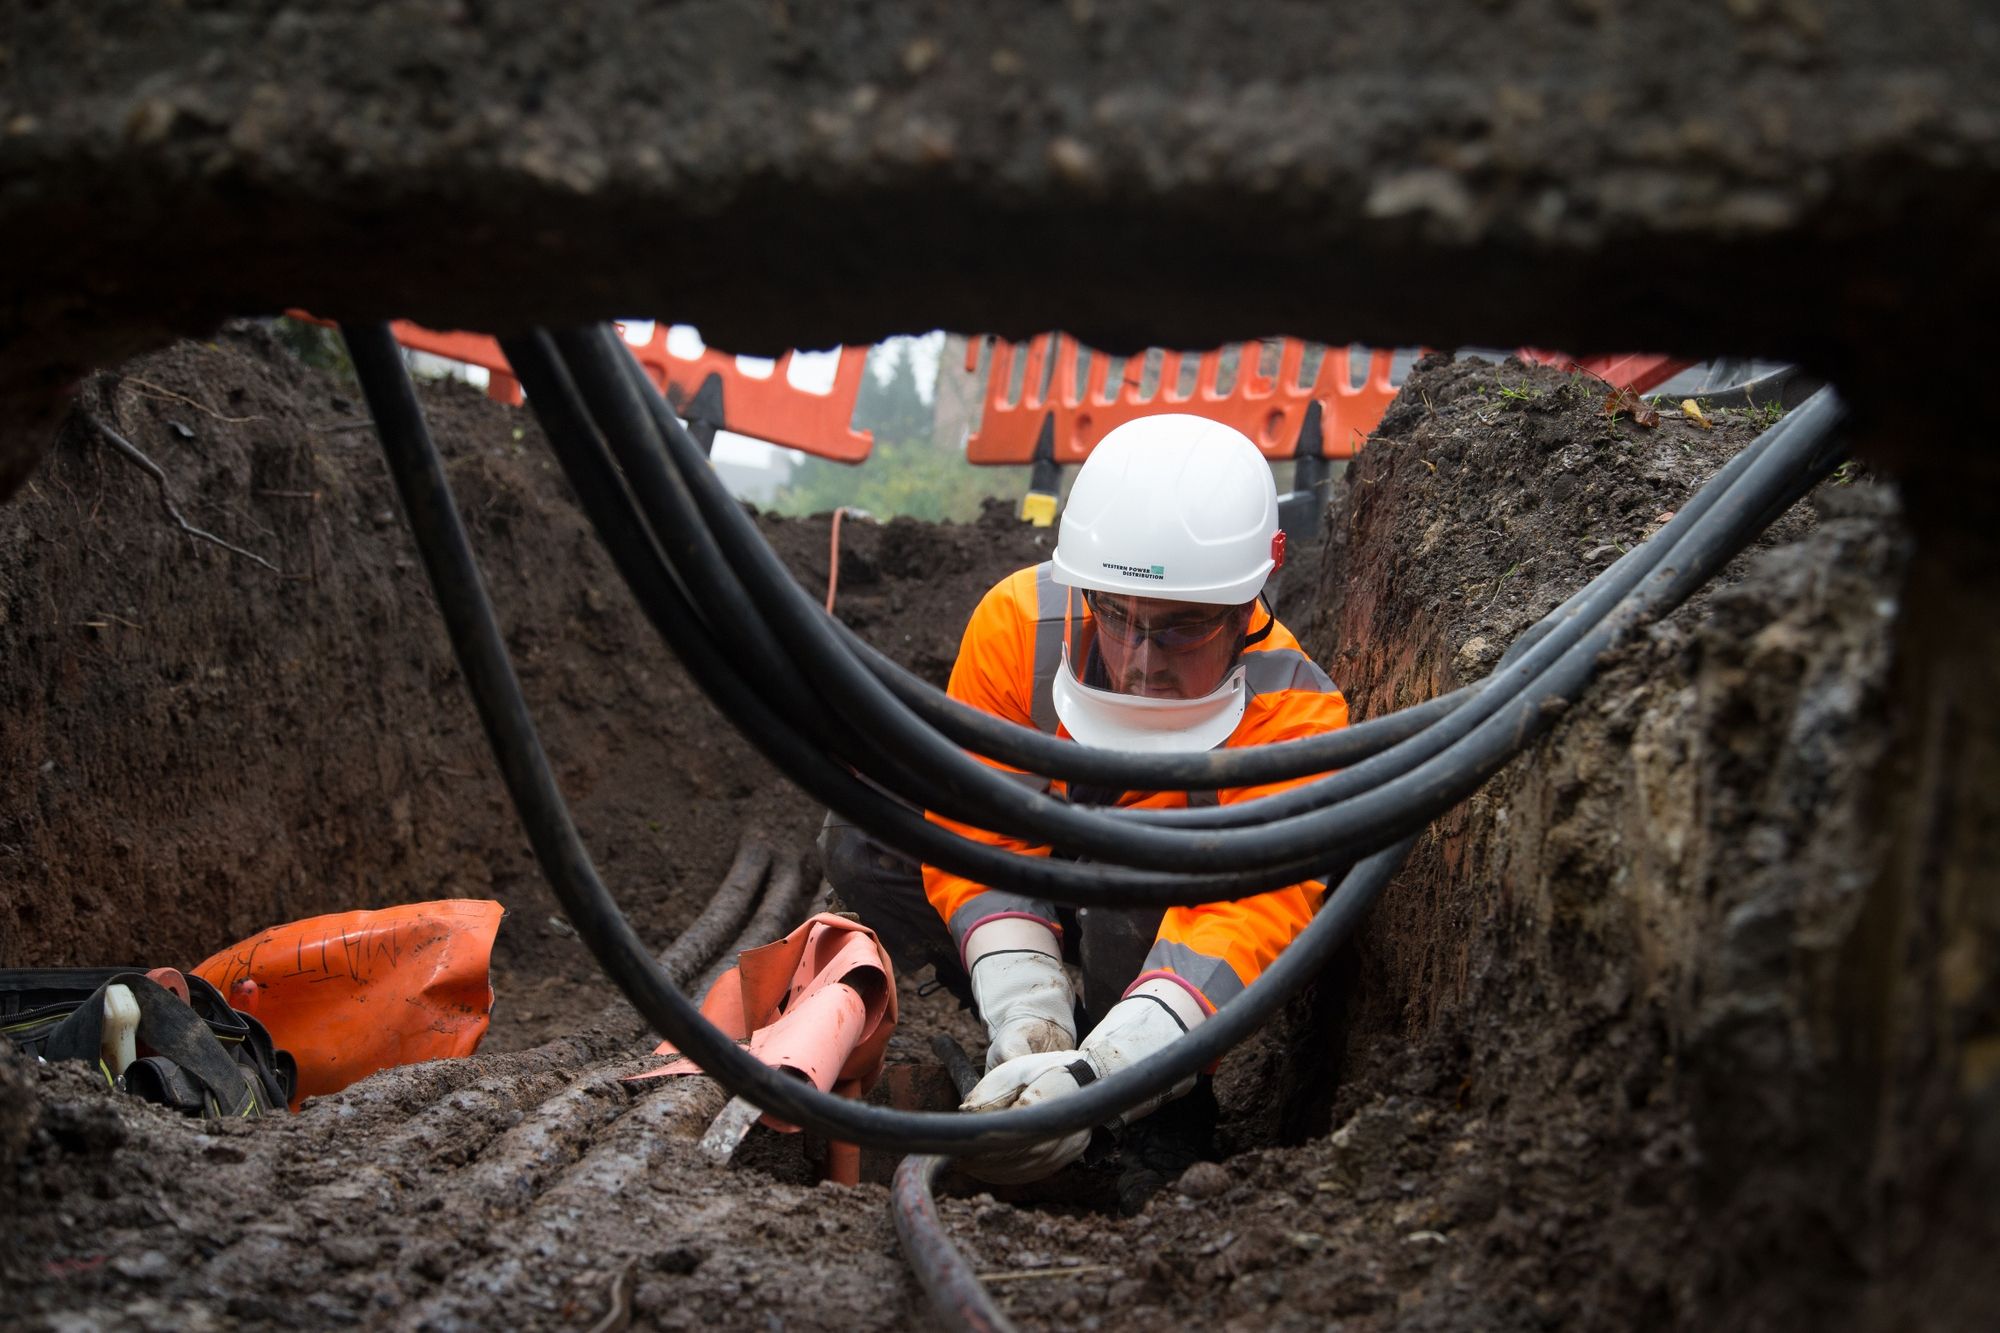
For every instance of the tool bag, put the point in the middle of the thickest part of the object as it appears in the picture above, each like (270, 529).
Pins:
(206, 1059)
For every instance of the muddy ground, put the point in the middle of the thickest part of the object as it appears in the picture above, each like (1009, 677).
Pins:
(1593, 1064)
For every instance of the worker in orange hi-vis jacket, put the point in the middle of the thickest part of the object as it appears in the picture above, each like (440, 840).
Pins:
(1146, 631)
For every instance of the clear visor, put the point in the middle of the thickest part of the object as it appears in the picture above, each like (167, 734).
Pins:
(1148, 648)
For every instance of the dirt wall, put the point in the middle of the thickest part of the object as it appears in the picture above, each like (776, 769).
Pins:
(1703, 965)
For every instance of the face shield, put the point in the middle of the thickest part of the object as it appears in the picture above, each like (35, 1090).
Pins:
(1149, 674)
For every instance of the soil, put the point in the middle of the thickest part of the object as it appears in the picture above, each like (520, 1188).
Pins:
(1574, 173)
(1585, 1067)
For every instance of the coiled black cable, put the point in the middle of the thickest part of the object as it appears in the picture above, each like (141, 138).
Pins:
(1375, 808)
(475, 636)
(1035, 870)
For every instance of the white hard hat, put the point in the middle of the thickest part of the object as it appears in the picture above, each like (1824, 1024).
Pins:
(1176, 508)
(1171, 506)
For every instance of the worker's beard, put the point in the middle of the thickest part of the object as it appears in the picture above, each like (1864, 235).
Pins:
(1148, 671)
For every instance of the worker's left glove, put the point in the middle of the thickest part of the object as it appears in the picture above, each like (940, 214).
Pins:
(1150, 1017)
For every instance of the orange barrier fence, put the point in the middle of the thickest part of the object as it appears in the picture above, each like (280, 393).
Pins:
(1035, 391)
(710, 387)
(1044, 390)
(1023, 390)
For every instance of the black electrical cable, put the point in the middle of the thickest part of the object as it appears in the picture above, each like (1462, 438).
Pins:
(951, 783)
(960, 1299)
(965, 789)
(1002, 740)
(476, 639)
(605, 501)
(1149, 897)
(475, 635)
(1031, 750)
(1561, 629)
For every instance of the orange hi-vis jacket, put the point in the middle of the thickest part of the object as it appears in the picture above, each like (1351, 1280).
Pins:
(1006, 662)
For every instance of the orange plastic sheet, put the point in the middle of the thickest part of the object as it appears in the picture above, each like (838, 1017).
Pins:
(1637, 371)
(820, 1003)
(355, 992)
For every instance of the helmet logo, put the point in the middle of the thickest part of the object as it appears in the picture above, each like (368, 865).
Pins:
(1137, 571)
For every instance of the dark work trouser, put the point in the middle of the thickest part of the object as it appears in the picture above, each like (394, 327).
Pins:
(886, 890)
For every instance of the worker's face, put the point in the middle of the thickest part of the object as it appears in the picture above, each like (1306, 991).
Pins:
(1166, 650)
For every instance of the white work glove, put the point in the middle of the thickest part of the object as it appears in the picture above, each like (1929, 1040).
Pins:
(1021, 989)
(1146, 1020)
(1025, 1081)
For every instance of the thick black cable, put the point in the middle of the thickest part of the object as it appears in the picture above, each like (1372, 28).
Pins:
(894, 748)
(1094, 887)
(475, 634)
(1028, 749)
(743, 543)
(958, 1298)
(959, 782)
(476, 639)
(950, 782)
(608, 505)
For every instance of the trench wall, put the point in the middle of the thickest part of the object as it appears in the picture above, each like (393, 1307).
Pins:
(1715, 959)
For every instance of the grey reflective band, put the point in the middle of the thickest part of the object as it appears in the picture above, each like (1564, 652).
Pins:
(1213, 977)
(1051, 605)
(995, 902)
(1277, 669)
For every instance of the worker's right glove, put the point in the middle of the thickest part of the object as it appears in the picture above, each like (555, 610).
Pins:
(1156, 1012)
(1021, 989)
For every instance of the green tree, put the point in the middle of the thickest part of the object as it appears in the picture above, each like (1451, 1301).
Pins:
(912, 478)
(909, 473)
(891, 402)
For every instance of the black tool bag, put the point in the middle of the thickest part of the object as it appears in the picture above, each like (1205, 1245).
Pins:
(207, 1059)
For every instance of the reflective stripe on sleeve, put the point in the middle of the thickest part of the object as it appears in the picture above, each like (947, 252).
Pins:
(997, 902)
(1213, 977)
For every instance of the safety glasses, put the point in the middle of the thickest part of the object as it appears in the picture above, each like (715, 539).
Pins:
(1115, 623)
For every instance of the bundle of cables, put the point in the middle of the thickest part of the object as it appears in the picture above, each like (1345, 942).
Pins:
(880, 746)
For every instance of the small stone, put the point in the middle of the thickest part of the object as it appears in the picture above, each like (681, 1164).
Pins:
(1475, 657)
(1072, 159)
(349, 1251)
(148, 1267)
(919, 56)
(1203, 1180)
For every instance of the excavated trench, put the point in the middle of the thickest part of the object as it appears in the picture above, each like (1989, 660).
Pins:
(1675, 1023)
